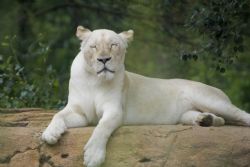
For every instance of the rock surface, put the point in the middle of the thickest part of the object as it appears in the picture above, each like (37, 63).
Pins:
(129, 146)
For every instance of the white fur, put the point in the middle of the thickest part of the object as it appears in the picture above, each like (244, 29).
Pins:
(110, 100)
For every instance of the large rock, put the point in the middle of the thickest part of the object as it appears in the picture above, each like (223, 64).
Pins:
(129, 146)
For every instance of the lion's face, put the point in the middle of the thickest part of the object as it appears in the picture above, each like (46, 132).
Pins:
(104, 50)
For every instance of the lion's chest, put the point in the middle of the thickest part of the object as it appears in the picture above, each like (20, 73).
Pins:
(92, 99)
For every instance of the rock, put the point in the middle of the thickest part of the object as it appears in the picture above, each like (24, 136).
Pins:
(129, 146)
(28, 158)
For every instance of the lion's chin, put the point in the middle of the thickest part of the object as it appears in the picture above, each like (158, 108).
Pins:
(105, 75)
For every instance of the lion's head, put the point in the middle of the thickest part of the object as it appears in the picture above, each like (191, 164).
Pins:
(104, 50)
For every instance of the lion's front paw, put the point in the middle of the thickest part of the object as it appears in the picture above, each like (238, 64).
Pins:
(50, 137)
(52, 134)
(94, 155)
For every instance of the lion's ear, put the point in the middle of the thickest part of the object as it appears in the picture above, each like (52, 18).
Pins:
(82, 33)
(127, 35)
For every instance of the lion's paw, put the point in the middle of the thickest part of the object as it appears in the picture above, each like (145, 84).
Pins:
(50, 137)
(205, 119)
(209, 119)
(94, 155)
(53, 133)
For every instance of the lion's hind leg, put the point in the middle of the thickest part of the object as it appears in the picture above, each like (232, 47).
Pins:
(223, 108)
(202, 119)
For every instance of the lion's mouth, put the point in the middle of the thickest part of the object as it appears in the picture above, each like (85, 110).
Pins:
(104, 70)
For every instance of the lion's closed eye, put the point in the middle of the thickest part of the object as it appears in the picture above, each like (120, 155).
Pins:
(93, 46)
(113, 45)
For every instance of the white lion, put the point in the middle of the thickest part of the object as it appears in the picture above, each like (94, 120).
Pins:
(101, 92)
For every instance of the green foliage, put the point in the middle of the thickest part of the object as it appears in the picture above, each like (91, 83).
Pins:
(20, 87)
(223, 25)
(39, 45)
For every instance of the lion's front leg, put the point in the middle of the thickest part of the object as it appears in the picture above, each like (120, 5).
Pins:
(66, 118)
(95, 149)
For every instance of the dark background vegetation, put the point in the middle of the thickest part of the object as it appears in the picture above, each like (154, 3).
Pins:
(201, 40)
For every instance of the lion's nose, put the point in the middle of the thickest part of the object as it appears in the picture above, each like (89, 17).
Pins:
(104, 60)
